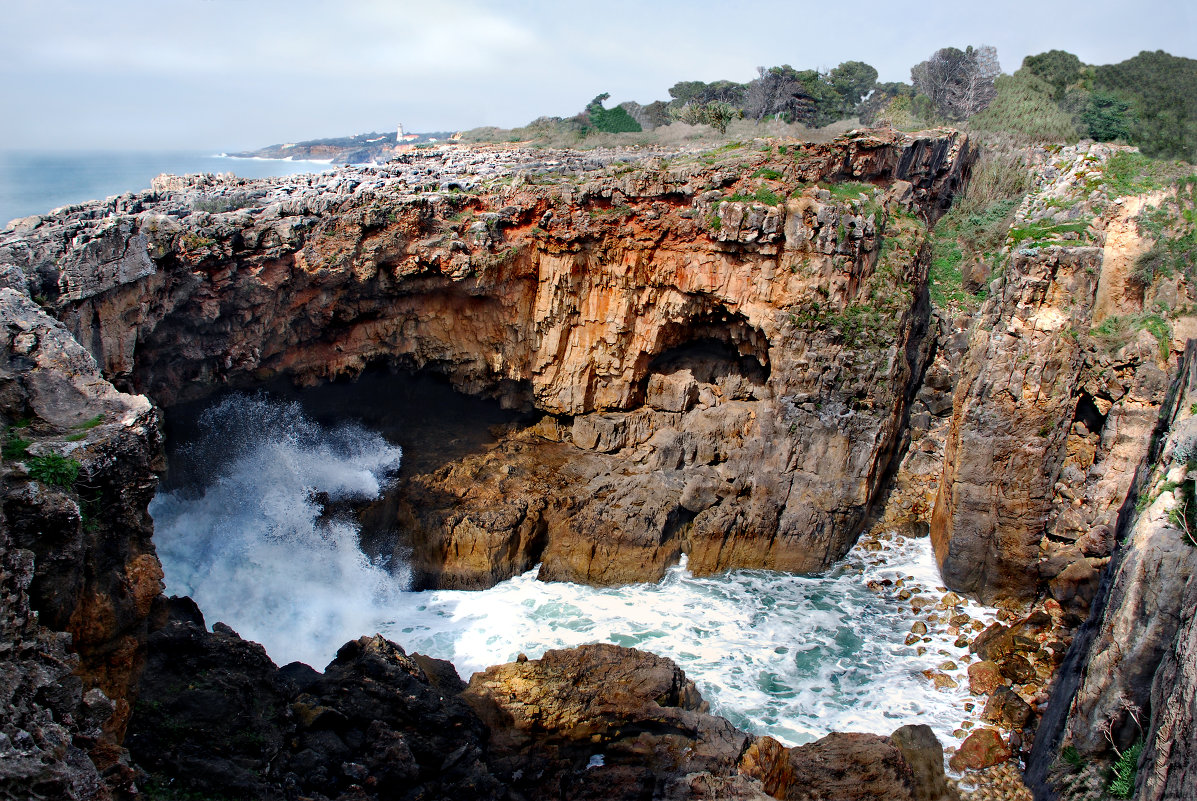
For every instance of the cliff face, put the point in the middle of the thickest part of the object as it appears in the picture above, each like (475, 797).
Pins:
(1057, 395)
(725, 370)
(722, 350)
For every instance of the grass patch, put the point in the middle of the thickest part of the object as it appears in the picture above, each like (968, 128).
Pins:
(1127, 173)
(1115, 331)
(849, 190)
(768, 174)
(15, 447)
(1045, 233)
(762, 195)
(54, 469)
(89, 424)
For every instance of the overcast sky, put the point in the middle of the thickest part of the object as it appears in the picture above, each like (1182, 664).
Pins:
(233, 74)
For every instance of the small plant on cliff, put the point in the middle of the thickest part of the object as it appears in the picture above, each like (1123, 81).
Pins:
(1125, 770)
(54, 469)
(15, 447)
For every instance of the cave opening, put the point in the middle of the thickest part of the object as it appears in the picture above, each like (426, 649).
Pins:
(1088, 414)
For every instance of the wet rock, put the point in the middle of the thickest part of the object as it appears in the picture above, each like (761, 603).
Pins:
(557, 711)
(981, 749)
(984, 677)
(1007, 709)
(866, 768)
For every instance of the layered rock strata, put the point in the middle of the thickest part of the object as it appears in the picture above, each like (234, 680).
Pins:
(1054, 399)
(1133, 678)
(725, 368)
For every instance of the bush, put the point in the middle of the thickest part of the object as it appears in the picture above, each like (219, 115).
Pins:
(610, 120)
(53, 469)
(15, 447)
(1024, 108)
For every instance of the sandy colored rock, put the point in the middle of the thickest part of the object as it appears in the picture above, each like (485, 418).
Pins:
(984, 677)
(981, 749)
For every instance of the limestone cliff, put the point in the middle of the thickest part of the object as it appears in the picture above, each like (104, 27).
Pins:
(1056, 396)
(724, 347)
(1131, 678)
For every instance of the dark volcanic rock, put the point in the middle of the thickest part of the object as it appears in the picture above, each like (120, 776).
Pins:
(216, 716)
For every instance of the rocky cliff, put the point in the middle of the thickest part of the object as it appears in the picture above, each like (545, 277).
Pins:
(725, 369)
(729, 355)
(722, 349)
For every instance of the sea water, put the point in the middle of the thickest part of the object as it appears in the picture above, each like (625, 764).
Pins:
(36, 182)
(791, 656)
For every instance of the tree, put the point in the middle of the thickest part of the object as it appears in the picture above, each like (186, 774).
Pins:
(852, 80)
(614, 120)
(803, 96)
(959, 83)
(1107, 117)
(1057, 68)
(1159, 89)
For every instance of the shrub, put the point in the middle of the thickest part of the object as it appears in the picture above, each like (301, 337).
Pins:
(53, 469)
(1024, 109)
(15, 447)
(610, 120)
(1126, 768)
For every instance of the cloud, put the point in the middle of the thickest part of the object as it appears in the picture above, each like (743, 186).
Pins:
(231, 74)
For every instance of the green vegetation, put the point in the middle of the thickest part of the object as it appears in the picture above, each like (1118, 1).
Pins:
(1161, 111)
(762, 195)
(614, 120)
(768, 174)
(974, 231)
(1043, 233)
(1126, 768)
(1116, 331)
(90, 423)
(15, 447)
(849, 190)
(1023, 112)
(53, 469)
(1125, 174)
(1172, 226)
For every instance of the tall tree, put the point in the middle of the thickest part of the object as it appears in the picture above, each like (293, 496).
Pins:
(959, 83)
(852, 80)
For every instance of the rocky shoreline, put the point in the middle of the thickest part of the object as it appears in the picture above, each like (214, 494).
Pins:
(731, 355)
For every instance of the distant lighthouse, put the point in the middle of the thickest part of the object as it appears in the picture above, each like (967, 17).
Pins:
(399, 135)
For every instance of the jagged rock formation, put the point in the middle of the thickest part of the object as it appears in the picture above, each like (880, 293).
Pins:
(729, 378)
(599, 721)
(725, 372)
(1134, 678)
(1051, 415)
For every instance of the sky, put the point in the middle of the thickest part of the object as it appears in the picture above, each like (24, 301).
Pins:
(236, 74)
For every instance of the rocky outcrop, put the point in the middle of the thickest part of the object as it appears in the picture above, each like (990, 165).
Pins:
(217, 716)
(599, 721)
(47, 723)
(1056, 399)
(80, 462)
(1129, 684)
(725, 363)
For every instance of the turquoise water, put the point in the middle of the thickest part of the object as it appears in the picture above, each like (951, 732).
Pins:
(791, 656)
(36, 182)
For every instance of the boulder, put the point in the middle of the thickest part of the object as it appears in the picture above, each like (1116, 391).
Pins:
(984, 677)
(982, 749)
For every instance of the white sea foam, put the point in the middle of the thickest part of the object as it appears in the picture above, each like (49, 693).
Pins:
(790, 656)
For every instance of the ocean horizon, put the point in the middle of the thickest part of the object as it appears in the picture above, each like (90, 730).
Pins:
(36, 182)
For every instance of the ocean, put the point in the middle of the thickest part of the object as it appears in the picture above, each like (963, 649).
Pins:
(34, 182)
(795, 657)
